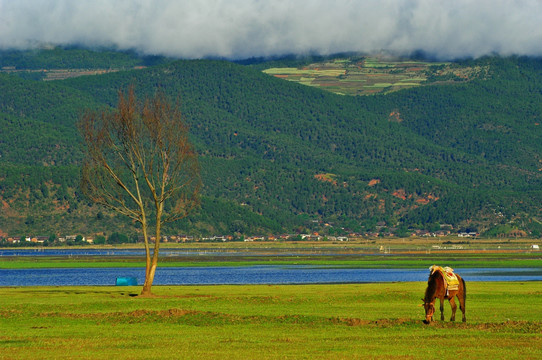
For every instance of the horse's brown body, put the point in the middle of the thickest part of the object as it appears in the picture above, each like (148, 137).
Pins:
(436, 288)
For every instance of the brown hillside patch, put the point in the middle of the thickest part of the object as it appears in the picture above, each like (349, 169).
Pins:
(395, 116)
(517, 233)
(427, 199)
(7, 210)
(401, 194)
(382, 205)
(373, 182)
(326, 178)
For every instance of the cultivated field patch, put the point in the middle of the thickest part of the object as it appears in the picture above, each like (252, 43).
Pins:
(374, 74)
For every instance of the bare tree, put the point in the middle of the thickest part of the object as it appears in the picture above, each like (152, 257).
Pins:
(140, 163)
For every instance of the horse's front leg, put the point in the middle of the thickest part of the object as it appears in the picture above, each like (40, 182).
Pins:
(454, 308)
(441, 309)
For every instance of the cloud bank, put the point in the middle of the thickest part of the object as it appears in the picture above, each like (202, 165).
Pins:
(246, 28)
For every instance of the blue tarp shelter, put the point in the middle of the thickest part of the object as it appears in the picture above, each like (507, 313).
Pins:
(126, 281)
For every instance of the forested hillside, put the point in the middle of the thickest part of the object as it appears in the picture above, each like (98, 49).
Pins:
(280, 157)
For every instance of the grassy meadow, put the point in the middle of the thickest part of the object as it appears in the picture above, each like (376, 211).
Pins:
(375, 262)
(368, 254)
(504, 321)
(331, 321)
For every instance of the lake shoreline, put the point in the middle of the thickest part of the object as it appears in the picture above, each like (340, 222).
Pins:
(250, 275)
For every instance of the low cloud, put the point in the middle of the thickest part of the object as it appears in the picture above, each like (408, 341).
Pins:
(245, 28)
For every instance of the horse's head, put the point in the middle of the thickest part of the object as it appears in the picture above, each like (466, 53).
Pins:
(429, 307)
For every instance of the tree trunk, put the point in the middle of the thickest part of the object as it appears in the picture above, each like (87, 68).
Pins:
(149, 271)
(149, 278)
(151, 265)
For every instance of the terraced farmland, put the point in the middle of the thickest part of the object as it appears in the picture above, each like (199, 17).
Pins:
(372, 75)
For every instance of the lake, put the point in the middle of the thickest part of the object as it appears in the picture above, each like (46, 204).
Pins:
(259, 274)
(256, 274)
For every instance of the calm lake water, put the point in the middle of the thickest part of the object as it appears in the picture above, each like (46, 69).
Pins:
(262, 274)
(258, 274)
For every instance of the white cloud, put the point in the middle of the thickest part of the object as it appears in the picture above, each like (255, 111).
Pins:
(244, 28)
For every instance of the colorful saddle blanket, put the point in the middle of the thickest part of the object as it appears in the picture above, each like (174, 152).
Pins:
(452, 281)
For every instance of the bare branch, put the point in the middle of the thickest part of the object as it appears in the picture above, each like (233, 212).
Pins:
(139, 158)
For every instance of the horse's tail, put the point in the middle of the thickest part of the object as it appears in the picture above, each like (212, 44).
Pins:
(464, 291)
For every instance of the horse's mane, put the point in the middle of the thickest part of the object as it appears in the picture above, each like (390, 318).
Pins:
(431, 286)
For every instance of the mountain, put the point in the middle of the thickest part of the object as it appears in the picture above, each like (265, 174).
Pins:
(278, 156)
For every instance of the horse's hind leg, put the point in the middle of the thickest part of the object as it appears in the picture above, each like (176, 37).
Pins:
(462, 307)
(454, 308)
(462, 296)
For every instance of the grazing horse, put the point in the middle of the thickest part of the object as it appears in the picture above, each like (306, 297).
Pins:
(437, 287)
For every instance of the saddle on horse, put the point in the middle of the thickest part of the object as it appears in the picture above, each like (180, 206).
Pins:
(452, 282)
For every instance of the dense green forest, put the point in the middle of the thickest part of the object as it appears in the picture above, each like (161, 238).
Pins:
(282, 157)
(74, 58)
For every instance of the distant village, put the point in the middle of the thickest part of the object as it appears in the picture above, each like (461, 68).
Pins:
(120, 239)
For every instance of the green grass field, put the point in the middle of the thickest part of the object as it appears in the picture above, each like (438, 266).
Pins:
(351, 255)
(371, 263)
(504, 321)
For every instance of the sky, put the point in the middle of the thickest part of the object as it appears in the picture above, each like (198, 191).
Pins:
(237, 29)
